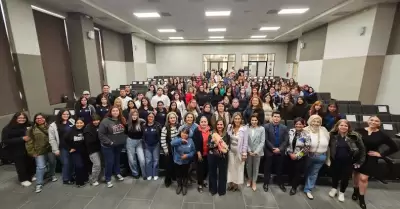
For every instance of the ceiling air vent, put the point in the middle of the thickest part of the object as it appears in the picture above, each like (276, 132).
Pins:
(165, 14)
(342, 13)
(272, 12)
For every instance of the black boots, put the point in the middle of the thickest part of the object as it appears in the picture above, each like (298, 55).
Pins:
(179, 187)
(167, 182)
(182, 186)
(293, 191)
(355, 194)
(362, 202)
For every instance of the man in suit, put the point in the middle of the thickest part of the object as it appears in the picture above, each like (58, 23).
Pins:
(276, 142)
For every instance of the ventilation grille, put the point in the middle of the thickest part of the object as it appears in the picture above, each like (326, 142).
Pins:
(272, 12)
(165, 14)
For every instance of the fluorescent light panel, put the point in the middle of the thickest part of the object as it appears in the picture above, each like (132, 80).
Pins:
(216, 37)
(259, 36)
(167, 30)
(269, 28)
(216, 29)
(46, 11)
(293, 11)
(176, 38)
(218, 13)
(147, 14)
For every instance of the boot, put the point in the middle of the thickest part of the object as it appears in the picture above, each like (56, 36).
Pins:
(362, 202)
(356, 194)
(179, 187)
(167, 182)
(184, 186)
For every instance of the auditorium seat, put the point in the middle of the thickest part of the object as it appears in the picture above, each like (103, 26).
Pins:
(389, 128)
(355, 109)
(395, 118)
(343, 108)
(369, 109)
(290, 124)
(324, 95)
(70, 103)
(385, 117)
(355, 125)
(383, 109)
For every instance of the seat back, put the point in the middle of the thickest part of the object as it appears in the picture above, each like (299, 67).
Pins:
(383, 109)
(395, 118)
(390, 129)
(369, 109)
(343, 108)
(355, 109)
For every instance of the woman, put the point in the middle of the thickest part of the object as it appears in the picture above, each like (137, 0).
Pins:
(317, 155)
(216, 97)
(192, 108)
(85, 110)
(200, 138)
(202, 97)
(373, 139)
(316, 109)
(312, 96)
(161, 113)
(227, 103)
(347, 151)
(57, 132)
(206, 113)
(255, 150)
(102, 110)
(38, 146)
(189, 95)
(297, 151)
(93, 147)
(234, 107)
(151, 92)
(243, 99)
(151, 139)
(255, 107)
(112, 137)
(168, 133)
(131, 105)
(183, 152)
(173, 107)
(76, 147)
(180, 104)
(220, 113)
(268, 107)
(145, 108)
(134, 145)
(286, 108)
(118, 103)
(218, 146)
(14, 137)
(300, 108)
(238, 135)
(331, 116)
(189, 121)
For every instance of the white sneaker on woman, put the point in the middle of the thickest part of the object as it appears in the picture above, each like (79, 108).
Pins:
(341, 197)
(310, 196)
(333, 192)
(38, 188)
(155, 178)
(109, 184)
(119, 177)
(96, 183)
(149, 178)
(26, 183)
(54, 178)
(33, 178)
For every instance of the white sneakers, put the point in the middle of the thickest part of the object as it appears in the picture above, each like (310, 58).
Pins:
(96, 183)
(26, 183)
(149, 178)
(120, 178)
(155, 178)
(33, 178)
(310, 196)
(38, 188)
(109, 184)
(54, 178)
(333, 193)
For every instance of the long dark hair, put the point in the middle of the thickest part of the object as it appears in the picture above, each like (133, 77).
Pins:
(134, 105)
(134, 125)
(176, 108)
(121, 118)
(37, 115)
(13, 122)
(59, 119)
(148, 104)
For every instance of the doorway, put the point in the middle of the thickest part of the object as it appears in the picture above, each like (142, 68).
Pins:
(257, 68)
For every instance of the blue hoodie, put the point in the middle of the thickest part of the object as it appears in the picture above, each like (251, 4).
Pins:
(152, 134)
(180, 149)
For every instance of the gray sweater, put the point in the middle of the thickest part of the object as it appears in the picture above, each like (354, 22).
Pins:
(256, 140)
(111, 132)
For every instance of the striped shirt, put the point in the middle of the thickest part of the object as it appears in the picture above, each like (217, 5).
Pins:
(164, 142)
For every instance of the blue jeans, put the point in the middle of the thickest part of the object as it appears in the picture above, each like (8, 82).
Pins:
(135, 147)
(314, 164)
(67, 165)
(41, 162)
(152, 155)
(112, 156)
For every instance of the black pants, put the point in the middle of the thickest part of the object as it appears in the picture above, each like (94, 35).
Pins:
(341, 171)
(80, 168)
(169, 168)
(296, 168)
(182, 173)
(25, 167)
(202, 170)
(218, 171)
(270, 162)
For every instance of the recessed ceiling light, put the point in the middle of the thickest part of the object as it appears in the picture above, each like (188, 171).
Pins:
(216, 29)
(270, 28)
(218, 13)
(216, 37)
(147, 14)
(259, 36)
(293, 11)
(176, 38)
(167, 30)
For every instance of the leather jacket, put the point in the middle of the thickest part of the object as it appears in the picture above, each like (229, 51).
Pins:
(355, 143)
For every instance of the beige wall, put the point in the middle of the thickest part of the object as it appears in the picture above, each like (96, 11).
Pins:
(371, 79)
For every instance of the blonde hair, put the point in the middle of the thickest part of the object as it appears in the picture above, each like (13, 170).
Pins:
(313, 117)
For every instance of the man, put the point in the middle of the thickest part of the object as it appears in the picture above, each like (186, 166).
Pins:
(106, 94)
(160, 97)
(125, 99)
(276, 142)
(130, 92)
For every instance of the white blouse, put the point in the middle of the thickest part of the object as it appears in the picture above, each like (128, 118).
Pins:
(323, 145)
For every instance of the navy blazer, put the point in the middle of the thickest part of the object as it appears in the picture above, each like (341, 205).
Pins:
(270, 138)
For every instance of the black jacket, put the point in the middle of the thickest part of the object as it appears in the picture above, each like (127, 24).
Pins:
(249, 111)
(111, 99)
(354, 140)
(92, 140)
(202, 98)
(75, 140)
(208, 115)
(300, 110)
(286, 112)
(198, 140)
(12, 139)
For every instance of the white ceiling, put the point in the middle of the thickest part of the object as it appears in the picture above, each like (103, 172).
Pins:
(246, 18)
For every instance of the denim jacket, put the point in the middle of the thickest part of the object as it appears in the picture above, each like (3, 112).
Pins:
(180, 149)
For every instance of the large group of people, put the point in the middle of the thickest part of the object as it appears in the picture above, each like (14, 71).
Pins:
(221, 126)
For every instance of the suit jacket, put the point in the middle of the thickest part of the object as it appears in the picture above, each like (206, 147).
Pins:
(270, 139)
